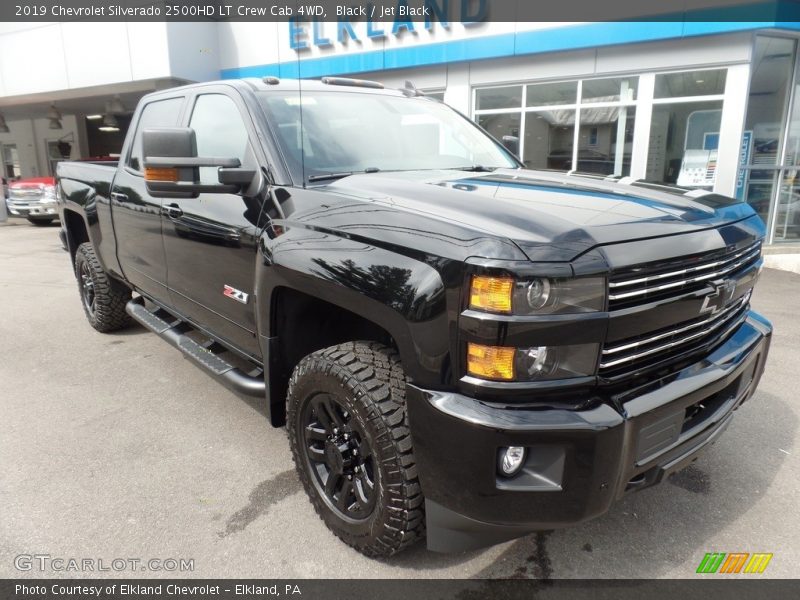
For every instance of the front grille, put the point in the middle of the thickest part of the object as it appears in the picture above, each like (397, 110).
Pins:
(669, 345)
(25, 195)
(656, 281)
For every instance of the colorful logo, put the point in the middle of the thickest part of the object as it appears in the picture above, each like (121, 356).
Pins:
(734, 562)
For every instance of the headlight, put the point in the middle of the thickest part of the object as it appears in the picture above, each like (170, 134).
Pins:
(539, 363)
(555, 362)
(537, 295)
(49, 193)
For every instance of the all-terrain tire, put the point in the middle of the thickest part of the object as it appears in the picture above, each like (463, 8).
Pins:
(367, 382)
(107, 310)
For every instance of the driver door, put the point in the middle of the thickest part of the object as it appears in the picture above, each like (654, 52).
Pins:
(210, 241)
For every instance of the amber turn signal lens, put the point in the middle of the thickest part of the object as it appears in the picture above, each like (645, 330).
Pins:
(490, 362)
(160, 174)
(492, 294)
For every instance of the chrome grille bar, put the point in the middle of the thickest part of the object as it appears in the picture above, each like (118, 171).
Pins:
(687, 270)
(751, 255)
(709, 326)
(628, 346)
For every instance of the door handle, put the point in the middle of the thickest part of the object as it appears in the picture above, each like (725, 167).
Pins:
(173, 211)
(119, 197)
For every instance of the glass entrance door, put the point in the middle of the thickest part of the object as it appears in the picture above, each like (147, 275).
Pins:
(769, 178)
(786, 219)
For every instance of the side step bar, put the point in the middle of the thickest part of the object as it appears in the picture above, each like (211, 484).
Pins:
(175, 333)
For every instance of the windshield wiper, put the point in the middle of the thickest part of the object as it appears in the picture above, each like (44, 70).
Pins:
(342, 175)
(477, 169)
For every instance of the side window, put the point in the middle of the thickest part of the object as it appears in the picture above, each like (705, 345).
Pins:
(161, 113)
(220, 132)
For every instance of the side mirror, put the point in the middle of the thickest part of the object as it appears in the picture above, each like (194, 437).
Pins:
(511, 143)
(172, 167)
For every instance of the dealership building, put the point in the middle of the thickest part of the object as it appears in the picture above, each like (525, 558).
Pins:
(702, 105)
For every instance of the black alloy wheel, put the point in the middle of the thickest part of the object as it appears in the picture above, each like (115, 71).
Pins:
(340, 457)
(351, 444)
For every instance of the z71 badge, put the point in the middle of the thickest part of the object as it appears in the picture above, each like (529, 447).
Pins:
(232, 292)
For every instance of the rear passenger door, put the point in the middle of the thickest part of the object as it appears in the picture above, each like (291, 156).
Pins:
(137, 215)
(210, 241)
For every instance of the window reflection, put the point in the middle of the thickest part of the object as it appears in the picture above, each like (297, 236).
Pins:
(691, 83)
(545, 94)
(683, 143)
(549, 139)
(614, 89)
(500, 125)
(505, 97)
(605, 140)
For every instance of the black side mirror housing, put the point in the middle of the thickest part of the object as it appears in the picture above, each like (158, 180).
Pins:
(172, 167)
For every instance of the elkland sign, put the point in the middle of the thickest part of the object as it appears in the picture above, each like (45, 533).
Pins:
(377, 22)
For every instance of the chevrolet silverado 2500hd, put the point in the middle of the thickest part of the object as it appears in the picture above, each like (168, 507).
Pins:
(456, 345)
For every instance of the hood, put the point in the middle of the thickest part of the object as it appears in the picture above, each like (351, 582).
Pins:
(549, 216)
(32, 182)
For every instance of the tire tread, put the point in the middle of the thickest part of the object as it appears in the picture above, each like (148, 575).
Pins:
(110, 295)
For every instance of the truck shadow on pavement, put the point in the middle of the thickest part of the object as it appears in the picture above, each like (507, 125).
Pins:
(649, 533)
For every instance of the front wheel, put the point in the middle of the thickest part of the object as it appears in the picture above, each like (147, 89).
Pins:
(352, 447)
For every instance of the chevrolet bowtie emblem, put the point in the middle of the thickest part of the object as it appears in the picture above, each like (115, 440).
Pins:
(719, 298)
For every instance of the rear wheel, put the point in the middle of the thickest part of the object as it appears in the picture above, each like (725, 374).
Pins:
(103, 298)
(41, 221)
(352, 447)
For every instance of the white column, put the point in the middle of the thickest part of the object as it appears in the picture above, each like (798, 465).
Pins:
(730, 136)
(641, 130)
(458, 92)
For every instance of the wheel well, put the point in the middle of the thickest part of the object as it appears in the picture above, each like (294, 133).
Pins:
(304, 324)
(76, 232)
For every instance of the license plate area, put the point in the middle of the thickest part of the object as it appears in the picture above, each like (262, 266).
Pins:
(679, 426)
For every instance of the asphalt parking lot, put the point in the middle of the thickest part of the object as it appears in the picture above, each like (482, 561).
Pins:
(116, 446)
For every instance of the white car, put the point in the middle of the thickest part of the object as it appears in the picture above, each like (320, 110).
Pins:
(33, 198)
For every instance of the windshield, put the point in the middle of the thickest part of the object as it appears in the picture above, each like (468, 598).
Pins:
(344, 132)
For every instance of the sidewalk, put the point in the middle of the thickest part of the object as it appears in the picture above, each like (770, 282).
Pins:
(783, 257)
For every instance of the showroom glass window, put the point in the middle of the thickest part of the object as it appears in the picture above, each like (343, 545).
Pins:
(685, 128)
(585, 126)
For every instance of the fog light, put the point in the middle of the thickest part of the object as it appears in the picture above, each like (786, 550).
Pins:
(511, 460)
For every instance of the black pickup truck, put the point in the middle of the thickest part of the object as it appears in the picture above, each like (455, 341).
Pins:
(455, 344)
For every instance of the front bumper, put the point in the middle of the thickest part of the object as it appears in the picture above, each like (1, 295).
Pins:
(579, 462)
(32, 208)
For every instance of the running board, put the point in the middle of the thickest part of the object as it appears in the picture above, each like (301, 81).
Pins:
(174, 332)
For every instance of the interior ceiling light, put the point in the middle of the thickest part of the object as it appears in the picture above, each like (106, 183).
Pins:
(53, 114)
(94, 117)
(110, 120)
(55, 124)
(108, 129)
(116, 106)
